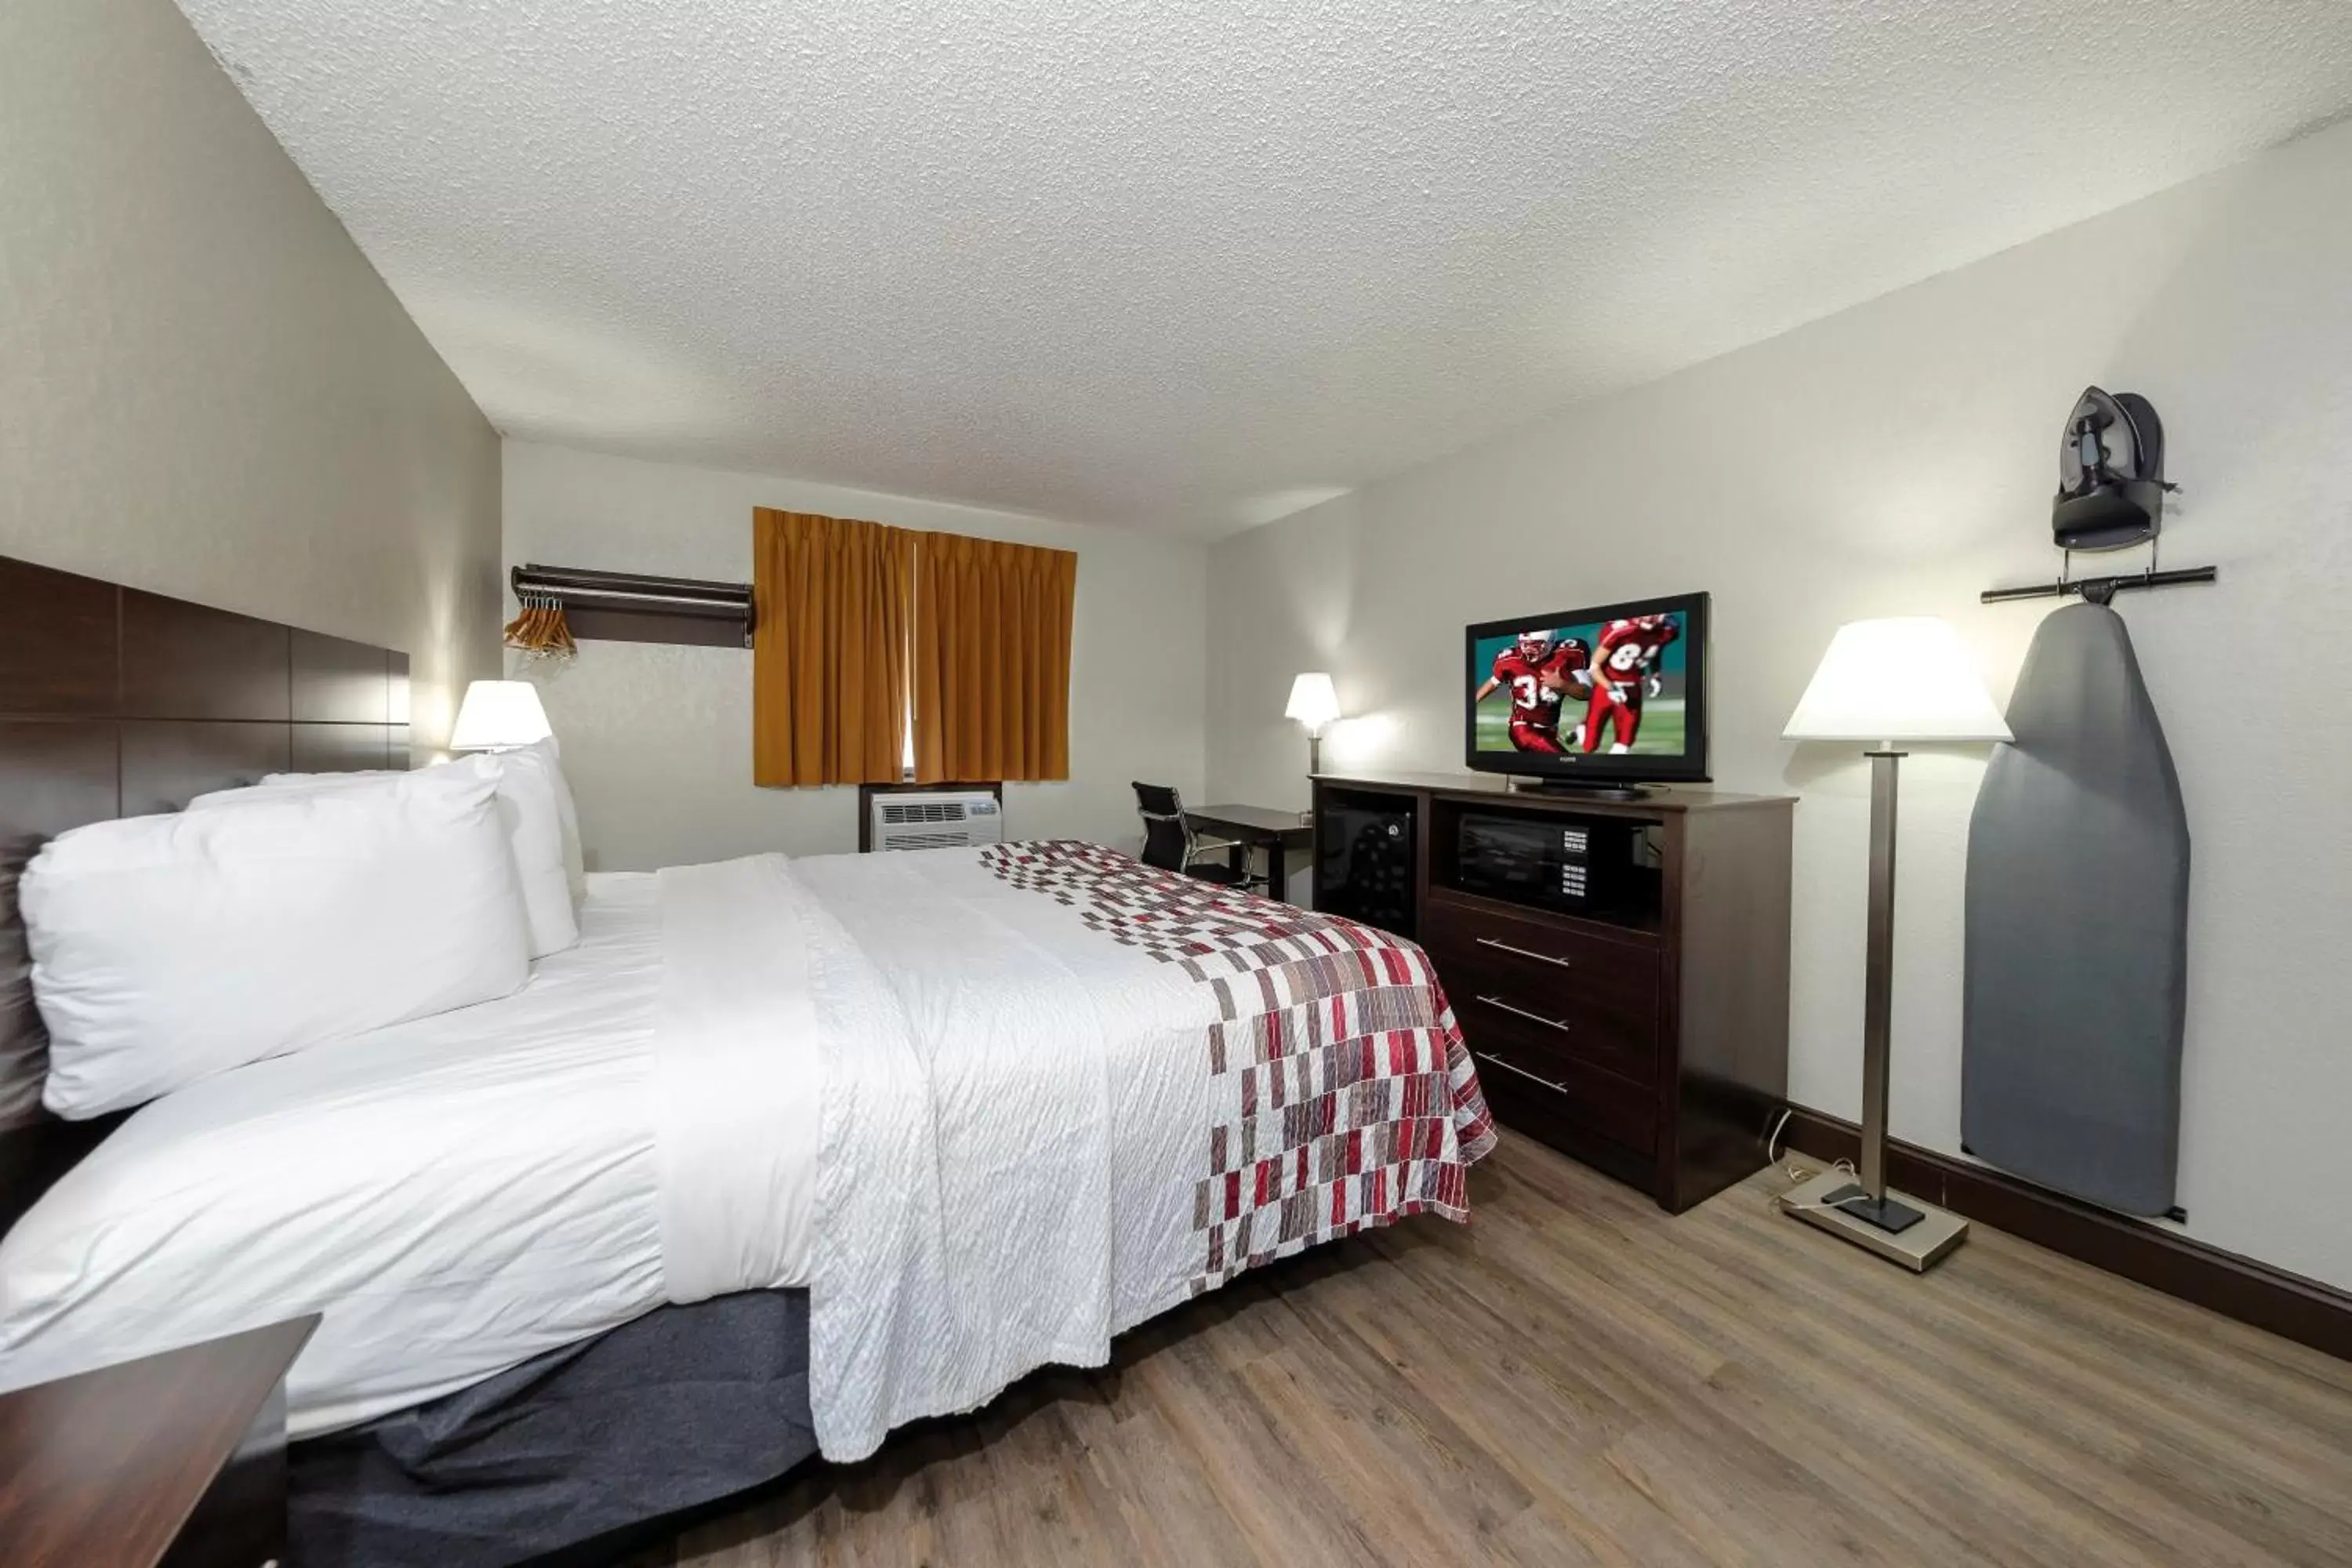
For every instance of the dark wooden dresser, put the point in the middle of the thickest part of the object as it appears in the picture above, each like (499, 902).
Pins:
(1642, 1027)
(177, 1460)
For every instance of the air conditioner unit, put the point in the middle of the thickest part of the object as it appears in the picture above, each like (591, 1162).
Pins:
(945, 820)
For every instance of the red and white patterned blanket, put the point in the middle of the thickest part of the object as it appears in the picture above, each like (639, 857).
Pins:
(1345, 1097)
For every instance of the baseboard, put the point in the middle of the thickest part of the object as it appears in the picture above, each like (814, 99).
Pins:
(2286, 1304)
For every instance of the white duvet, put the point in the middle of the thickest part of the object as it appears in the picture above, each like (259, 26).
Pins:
(1009, 1166)
(971, 1126)
(456, 1194)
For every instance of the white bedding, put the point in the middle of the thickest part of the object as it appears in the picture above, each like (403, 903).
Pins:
(639, 1125)
(1014, 1127)
(974, 1126)
(738, 1080)
(456, 1195)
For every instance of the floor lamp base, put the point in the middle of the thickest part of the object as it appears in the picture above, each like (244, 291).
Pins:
(1914, 1234)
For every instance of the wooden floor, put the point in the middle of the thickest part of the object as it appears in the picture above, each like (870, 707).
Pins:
(1579, 1379)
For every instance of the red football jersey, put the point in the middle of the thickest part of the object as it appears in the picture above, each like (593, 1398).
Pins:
(1627, 648)
(1535, 687)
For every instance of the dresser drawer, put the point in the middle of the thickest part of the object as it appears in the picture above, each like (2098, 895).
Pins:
(1554, 989)
(1624, 971)
(1550, 1096)
(1553, 1017)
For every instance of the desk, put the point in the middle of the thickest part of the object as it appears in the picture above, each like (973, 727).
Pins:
(1254, 827)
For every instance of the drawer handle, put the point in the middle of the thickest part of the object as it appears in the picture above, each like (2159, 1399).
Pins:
(1523, 1013)
(1523, 952)
(1506, 1067)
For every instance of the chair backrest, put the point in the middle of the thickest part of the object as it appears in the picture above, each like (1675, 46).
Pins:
(1166, 836)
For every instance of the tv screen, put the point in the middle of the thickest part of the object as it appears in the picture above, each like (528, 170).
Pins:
(1614, 694)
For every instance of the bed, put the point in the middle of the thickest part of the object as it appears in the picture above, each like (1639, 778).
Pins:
(782, 1155)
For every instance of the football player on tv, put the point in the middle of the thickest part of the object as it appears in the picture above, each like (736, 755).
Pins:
(1540, 673)
(1623, 674)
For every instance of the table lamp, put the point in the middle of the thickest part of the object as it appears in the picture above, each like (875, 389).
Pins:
(498, 715)
(1909, 679)
(1314, 703)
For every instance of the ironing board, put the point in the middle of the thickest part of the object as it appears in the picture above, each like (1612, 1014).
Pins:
(2077, 929)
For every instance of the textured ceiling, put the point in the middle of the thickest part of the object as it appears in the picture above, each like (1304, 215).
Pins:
(1191, 265)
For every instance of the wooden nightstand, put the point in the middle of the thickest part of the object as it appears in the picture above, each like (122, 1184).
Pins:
(177, 1460)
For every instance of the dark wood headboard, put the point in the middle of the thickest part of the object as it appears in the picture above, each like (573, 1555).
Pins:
(116, 702)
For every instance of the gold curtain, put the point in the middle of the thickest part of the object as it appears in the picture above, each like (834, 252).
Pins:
(992, 659)
(829, 649)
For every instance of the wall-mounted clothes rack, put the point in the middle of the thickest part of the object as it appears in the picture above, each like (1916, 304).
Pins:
(629, 606)
(2100, 590)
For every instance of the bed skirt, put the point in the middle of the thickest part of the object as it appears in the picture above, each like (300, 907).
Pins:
(680, 1407)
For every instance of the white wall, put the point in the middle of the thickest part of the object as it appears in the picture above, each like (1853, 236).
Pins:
(1897, 459)
(204, 388)
(657, 739)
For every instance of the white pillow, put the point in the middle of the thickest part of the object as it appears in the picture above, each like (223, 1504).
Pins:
(553, 883)
(532, 801)
(575, 864)
(167, 949)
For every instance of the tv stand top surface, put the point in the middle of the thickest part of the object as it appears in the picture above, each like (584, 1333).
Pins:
(1655, 798)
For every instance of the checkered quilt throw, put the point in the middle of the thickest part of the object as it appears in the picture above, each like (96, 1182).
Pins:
(1343, 1096)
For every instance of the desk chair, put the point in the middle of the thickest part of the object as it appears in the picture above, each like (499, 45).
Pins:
(1169, 843)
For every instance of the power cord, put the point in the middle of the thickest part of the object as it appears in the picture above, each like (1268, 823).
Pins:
(1845, 1166)
(1795, 1173)
(1791, 1170)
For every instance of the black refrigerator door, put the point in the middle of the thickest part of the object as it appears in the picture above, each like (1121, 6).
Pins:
(1366, 871)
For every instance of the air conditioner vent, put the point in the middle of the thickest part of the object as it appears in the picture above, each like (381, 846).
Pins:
(927, 841)
(945, 820)
(895, 811)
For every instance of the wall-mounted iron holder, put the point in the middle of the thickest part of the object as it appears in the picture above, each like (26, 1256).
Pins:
(2101, 590)
(629, 606)
(2111, 490)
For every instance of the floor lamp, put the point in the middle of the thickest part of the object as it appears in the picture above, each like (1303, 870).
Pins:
(1909, 679)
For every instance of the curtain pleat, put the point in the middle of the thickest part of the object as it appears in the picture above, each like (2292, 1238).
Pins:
(829, 649)
(991, 661)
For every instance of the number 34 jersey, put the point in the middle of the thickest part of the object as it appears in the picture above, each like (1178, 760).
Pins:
(1537, 686)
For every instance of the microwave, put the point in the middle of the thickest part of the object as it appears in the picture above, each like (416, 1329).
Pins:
(1552, 862)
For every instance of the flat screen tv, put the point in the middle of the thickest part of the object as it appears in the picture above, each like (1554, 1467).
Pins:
(1612, 696)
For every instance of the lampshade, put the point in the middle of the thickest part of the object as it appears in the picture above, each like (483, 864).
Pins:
(1313, 703)
(497, 714)
(1906, 678)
